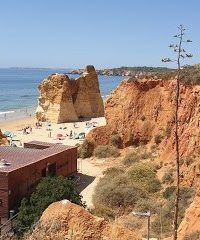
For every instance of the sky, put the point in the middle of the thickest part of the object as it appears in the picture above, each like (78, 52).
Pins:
(105, 33)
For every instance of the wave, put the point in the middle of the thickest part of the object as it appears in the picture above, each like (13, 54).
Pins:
(28, 96)
(1, 113)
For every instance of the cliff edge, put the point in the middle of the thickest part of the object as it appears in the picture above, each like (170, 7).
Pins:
(142, 112)
(65, 220)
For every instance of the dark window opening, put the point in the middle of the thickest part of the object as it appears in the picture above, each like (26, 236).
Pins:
(44, 172)
(52, 170)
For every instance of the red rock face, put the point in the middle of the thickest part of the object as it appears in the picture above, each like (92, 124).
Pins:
(3, 139)
(140, 110)
(62, 220)
(191, 221)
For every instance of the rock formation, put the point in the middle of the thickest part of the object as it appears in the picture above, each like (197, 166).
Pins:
(191, 222)
(65, 220)
(142, 111)
(3, 139)
(64, 100)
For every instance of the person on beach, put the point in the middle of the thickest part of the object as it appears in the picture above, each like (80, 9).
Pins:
(71, 135)
(5, 116)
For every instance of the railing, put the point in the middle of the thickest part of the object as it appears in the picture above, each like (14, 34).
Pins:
(8, 226)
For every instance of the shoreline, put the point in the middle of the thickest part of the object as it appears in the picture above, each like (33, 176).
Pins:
(18, 118)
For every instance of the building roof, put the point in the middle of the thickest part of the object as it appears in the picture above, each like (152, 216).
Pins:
(16, 157)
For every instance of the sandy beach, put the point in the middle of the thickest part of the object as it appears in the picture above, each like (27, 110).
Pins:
(17, 122)
(88, 169)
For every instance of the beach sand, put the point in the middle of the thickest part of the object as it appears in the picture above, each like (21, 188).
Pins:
(86, 168)
(16, 122)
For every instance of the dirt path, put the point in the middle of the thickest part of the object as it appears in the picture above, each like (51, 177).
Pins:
(90, 172)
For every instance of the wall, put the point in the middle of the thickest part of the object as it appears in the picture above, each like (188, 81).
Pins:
(23, 181)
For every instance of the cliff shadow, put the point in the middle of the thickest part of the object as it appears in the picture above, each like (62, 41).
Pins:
(84, 181)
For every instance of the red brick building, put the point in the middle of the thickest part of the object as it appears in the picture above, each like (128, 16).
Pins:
(22, 168)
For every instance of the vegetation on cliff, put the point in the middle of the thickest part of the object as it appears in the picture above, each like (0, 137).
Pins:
(49, 190)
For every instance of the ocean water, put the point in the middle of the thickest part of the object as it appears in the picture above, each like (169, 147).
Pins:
(18, 86)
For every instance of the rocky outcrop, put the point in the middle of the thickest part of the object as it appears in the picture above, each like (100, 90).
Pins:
(191, 222)
(65, 220)
(64, 100)
(3, 139)
(142, 111)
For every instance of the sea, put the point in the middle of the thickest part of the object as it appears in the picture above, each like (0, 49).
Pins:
(18, 86)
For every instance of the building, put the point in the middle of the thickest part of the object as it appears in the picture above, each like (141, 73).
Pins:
(21, 169)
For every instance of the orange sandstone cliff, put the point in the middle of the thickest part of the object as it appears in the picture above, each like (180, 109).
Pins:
(191, 222)
(3, 139)
(141, 111)
(63, 100)
(65, 220)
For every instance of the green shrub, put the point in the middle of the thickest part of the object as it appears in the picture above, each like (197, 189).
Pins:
(49, 190)
(113, 172)
(191, 75)
(168, 177)
(144, 175)
(105, 151)
(154, 185)
(169, 191)
(130, 159)
(158, 138)
(165, 218)
(85, 150)
(103, 211)
(116, 141)
(117, 192)
(144, 205)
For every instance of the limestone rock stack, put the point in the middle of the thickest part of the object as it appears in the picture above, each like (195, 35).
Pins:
(64, 100)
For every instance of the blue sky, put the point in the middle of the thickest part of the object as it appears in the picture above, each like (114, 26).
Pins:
(105, 33)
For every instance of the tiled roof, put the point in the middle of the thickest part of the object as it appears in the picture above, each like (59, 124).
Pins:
(20, 157)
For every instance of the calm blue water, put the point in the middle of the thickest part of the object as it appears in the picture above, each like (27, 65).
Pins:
(18, 87)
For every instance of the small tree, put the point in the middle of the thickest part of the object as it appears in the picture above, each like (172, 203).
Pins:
(49, 190)
(181, 55)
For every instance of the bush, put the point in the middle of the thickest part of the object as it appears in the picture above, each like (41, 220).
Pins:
(85, 150)
(165, 218)
(116, 141)
(144, 175)
(49, 190)
(103, 211)
(158, 138)
(168, 177)
(113, 172)
(117, 192)
(191, 75)
(130, 159)
(105, 151)
(169, 191)
(144, 205)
